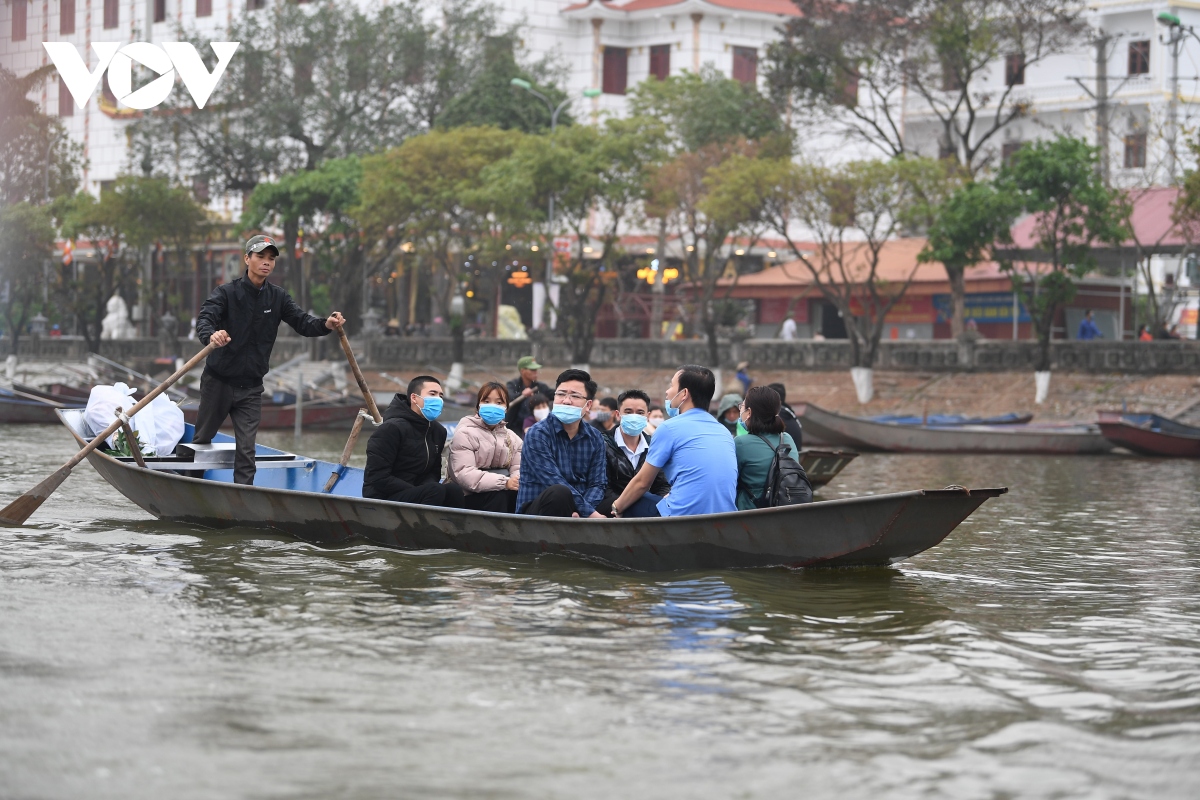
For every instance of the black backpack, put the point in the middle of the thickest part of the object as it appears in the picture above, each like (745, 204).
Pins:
(787, 484)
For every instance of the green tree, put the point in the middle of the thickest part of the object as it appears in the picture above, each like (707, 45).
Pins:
(26, 245)
(38, 161)
(123, 224)
(430, 191)
(491, 99)
(595, 174)
(1057, 182)
(963, 234)
(851, 211)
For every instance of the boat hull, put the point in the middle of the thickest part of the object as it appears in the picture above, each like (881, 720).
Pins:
(283, 417)
(868, 531)
(1166, 438)
(862, 434)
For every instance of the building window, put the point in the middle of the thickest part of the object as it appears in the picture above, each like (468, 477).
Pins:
(112, 13)
(1135, 151)
(203, 8)
(160, 10)
(66, 16)
(660, 61)
(1008, 150)
(1139, 57)
(66, 104)
(255, 5)
(951, 82)
(745, 64)
(1014, 70)
(616, 69)
(20, 11)
(848, 89)
(303, 71)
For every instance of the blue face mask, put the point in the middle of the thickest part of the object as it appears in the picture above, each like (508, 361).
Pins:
(633, 424)
(432, 408)
(670, 410)
(567, 414)
(491, 414)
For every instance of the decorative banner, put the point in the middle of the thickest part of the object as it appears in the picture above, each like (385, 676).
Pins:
(983, 307)
(562, 246)
(915, 309)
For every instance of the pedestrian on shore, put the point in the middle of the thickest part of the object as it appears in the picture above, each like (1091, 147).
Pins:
(1087, 328)
(744, 377)
(520, 389)
(404, 454)
(787, 331)
(242, 319)
(1144, 334)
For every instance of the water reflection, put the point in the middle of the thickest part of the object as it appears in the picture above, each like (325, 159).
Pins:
(1048, 648)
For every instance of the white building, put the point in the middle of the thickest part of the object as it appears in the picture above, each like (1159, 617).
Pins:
(604, 45)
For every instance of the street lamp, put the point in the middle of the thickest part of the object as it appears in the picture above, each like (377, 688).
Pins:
(1178, 32)
(521, 83)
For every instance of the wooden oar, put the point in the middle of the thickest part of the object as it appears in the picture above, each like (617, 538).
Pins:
(354, 432)
(358, 376)
(19, 510)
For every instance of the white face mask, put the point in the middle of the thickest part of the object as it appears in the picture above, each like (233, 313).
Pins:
(541, 413)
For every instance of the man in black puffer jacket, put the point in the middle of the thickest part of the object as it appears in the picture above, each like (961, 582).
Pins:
(626, 443)
(404, 456)
(242, 318)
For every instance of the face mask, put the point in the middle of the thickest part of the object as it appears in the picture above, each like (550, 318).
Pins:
(633, 424)
(670, 410)
(567, 414)
(741, 429)
(603, 416)
(432, 408)
(541, 413)
(491, 414)
(653, 422)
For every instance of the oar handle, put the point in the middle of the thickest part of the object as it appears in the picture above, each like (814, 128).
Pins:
(358, 376)
(145, 401)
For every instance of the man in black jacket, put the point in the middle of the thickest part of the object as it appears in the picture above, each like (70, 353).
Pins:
(404, 456)
(626, 447)
(790, 423)
(242, 318)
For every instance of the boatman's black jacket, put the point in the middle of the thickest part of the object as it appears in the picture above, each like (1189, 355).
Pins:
(251, 317)
(405, 451)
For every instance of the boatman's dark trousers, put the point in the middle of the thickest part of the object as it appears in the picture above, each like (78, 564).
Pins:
(219, 400)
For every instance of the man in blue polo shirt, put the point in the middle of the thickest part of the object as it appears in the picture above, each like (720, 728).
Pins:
(695, 451)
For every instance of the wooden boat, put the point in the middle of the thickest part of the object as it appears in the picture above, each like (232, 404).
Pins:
(19, 408)
(822, 466)
(864, 434)
(1150, 434)
(196, 487)
(944, 420)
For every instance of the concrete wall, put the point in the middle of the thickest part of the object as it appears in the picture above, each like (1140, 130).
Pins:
(1146, 358)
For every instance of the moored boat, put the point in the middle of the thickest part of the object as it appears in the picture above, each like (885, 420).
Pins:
(196, 487)
(865, 434)
(822, 466)
(1150, 434)
(19, 408)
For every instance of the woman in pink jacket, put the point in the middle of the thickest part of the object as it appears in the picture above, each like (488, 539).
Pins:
(485, 456)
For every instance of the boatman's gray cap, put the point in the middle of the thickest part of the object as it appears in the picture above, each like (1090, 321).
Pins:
(256, 244)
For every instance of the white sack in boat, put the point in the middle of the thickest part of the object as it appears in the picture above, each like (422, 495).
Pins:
(159, 426)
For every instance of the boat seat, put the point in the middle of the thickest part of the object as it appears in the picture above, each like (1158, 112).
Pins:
(195, 457)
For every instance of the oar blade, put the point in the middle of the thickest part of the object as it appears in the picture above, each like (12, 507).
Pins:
(21, 509)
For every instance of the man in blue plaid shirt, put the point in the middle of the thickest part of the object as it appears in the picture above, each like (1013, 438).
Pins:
(563, 467)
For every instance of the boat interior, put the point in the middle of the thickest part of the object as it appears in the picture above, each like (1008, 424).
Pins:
(277, 469)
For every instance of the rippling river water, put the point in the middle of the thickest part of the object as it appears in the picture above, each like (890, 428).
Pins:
(1049, 648)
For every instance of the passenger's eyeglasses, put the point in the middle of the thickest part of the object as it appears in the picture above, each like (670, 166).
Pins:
(570, 396)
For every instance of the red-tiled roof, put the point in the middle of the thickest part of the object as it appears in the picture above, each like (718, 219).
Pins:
(1152, 221)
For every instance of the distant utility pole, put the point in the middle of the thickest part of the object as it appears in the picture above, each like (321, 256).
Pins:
(1177, 32)
(1104, 47)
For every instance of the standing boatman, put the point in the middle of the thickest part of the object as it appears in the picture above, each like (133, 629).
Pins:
(242, 318)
